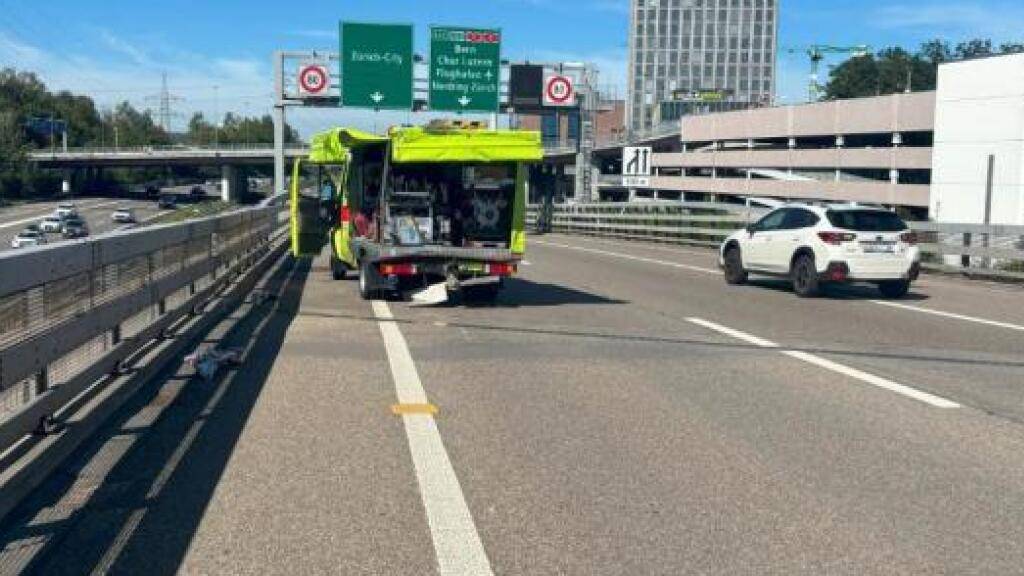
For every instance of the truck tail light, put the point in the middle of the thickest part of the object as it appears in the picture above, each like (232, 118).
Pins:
(399, 269)
(344, 214)
(909, 238)
(501, 268)
(836, 238)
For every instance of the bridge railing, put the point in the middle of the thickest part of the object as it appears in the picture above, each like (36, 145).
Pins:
(70, 314)
(996, 251)
(161, 149)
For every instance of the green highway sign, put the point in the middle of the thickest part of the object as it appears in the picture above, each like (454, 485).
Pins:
(376, 65)
(465, 69)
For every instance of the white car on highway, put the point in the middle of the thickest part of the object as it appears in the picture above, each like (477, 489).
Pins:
(123, 216)
(28, 238)
(817, 245)
(64, 211)
(52, 224)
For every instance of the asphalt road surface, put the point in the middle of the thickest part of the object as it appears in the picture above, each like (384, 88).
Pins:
(620, 410)
(95, 211)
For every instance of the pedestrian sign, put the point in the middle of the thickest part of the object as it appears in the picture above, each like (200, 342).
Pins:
(376, 65)
(465, 69)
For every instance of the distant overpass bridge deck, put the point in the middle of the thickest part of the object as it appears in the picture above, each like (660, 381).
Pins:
(243, 154)
(162, 156)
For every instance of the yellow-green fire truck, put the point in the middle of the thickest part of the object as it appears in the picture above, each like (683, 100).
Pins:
(440, 207)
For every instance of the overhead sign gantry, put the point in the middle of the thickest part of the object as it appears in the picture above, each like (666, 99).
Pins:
(377, 68)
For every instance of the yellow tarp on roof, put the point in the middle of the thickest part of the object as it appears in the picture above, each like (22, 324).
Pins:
(419, 145)
(333, 146)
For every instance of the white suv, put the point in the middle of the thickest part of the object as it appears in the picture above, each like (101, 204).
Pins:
(815, 245)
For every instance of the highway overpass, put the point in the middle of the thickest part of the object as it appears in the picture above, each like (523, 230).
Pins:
(144, 156)
(619, 410)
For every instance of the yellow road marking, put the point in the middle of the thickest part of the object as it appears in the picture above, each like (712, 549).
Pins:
(400, 409)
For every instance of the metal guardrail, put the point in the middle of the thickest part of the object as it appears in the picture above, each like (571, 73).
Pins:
(103, 150)
(995, 251)
(71, 313)
(695, 223)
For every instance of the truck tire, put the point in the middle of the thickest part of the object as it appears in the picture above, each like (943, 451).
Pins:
(338, 268)
(805, 277)
(367, 284)
(734, 272)
(894, 288)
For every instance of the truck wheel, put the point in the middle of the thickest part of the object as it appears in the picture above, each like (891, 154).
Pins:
(805, 277)
(338, 268)
(894, 288)
(734, 272)
(367, 288)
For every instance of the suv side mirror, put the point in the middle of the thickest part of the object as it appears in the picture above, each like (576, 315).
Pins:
(751, 228)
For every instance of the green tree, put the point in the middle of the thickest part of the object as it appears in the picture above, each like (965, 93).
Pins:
(973, 49)
(895, 69)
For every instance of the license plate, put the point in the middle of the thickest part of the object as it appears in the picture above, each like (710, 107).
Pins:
(878, 247)
(472, 267)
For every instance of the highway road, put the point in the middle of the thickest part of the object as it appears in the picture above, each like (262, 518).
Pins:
(95, 211)
(619, 411)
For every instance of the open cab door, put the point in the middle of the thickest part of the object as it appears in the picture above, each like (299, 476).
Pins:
(309, 221)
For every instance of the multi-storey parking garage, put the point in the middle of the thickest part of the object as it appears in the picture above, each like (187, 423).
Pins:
(870, 150)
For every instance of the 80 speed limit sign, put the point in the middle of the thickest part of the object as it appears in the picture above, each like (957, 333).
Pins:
(559, 91)
(314, 80)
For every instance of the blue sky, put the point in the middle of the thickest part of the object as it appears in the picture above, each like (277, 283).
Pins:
(217, 52)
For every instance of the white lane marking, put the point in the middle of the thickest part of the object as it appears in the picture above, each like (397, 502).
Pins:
(631, 257)
(456, 541)
(45, 214)
(930, 399)
(748, 338)
(952, 315)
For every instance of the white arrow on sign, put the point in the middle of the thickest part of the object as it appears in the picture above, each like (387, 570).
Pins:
(377, 97)
(465, 100)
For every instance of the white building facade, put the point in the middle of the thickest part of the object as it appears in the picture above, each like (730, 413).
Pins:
(979, 122)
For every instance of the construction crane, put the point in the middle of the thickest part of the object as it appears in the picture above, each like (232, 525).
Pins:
(816, 53)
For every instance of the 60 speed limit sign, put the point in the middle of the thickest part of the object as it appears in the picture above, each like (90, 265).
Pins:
(314, 80)
(559, 91)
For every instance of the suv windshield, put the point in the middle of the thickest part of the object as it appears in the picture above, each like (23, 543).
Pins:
(866, 220)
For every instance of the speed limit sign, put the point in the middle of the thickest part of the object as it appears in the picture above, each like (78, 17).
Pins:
(559, 91)
(314, 80)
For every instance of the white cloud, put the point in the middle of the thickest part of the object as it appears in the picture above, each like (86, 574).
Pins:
(212, 86)
(119, 45)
